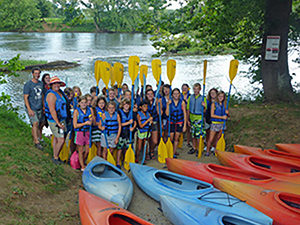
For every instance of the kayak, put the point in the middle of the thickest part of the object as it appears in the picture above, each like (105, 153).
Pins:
(156, 183)
(290, 148)
(206, 172)
(183, 212)
(105, 180)
(283, 208)
(97, 211)
(279, 170)
(275, 154)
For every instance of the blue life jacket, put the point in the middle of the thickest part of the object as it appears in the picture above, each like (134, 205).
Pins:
(153, 112)
(188, 95)
(195, 104)
(82, 118)
(60, 107)
(111, 123)
(143, 120)
(99, 112)
(164, 107)
(177, 114)
(219, 111)
(125, 118)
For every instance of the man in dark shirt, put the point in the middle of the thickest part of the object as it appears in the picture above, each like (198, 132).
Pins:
(34, 104)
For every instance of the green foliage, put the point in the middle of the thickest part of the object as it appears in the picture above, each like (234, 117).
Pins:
(70, 11)
(45, 7)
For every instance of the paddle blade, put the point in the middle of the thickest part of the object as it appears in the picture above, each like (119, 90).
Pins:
(129, 158)
(92, 153)
(221, 143)
(171, 69)
(180, 141)
(201, 147)
(156, 69)
(169, 147)
(133, 67)
(234, 64)
(204, 71)
(119, 73)
(162, 151)
(112, 77)
(97, 71)
(52, 139)
(143, 72)
(64, 152)
(105, 70)
(110, 158)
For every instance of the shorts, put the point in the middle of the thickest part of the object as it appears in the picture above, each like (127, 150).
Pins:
(96, 135)
(196, 129)
(110, 140)
(142, 135)
(154, 126)
(216, 127)
(39, 116)
(207, 125)
(123, 144)
(54, 129)
(165, 122)
(82, 138)
(176, 128)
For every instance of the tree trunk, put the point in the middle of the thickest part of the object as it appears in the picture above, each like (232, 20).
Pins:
(275, 73)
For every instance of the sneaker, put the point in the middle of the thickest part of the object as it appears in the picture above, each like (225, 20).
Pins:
(82, 169)
(213, 149)
(175, 156)
(205, 148)
(119, 166)
(39, 146)
(192, 151)
(206, 154)
(56, 161)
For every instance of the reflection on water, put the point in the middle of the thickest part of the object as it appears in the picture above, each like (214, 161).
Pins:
(85, 48)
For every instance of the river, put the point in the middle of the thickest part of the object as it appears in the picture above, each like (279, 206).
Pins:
(85, 48)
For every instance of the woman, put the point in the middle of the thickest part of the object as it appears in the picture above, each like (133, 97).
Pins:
(46, 81)
(56, 112)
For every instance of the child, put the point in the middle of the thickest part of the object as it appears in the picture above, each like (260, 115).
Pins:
(194, 106)
(112, 97)
(89, 99)
(165, 98)
(178, 118)
(77, 91)
(126, 121)
(112, 127)
(124, 87)
(94, 92)
(185, 88)
(82, 121)
(144, 122)
(211, 97)
(218, 116)
(96, 132)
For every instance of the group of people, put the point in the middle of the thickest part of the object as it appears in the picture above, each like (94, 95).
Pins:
(108, 121)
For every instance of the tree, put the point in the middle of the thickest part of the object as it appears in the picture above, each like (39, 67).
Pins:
(45, 8)
(70, 10)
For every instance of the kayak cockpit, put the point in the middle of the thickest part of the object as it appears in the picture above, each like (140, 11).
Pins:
(105, 171)
(233, 220)
(289, 201)
(122, 220)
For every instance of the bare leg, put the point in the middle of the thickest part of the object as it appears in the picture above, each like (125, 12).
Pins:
(104, 153)
(57, 146)
(210, 140)
(80, 156)
(119, 156)
(99, 152)
(172, 139)
(86, 152)
(176, 140)
(35, 131)
(154, 141)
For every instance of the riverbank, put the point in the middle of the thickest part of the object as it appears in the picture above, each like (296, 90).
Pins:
(33, 189)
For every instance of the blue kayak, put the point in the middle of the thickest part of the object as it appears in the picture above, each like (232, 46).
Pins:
(105, 180)
(156, 183)
(183, 212)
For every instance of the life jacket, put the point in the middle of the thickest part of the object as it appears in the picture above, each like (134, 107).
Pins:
(60, 107)
(153, 111)
(125, 118)
(219, 111)
(195, 104)
(111, 123)
(188, 95)
(143, 120)
(82, 118)
(99, 112)
(164, 107)
(177, 115)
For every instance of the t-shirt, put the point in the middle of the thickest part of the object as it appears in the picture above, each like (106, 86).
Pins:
(35, 92)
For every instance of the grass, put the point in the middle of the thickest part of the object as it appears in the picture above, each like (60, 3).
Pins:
(29, 62)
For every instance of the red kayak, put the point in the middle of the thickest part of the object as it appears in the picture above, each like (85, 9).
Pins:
(283, 208)
(284, 171)
(97, 211)
(206, 172)
(290, 148)
(277, 155)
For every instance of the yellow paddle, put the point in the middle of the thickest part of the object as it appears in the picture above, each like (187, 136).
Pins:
(97, 71)
(180, 142)
(92, 153)
(201, 141)
(119, 73)
(171, 70)
(232, 73)
(156, 69)
(143, 72)
(105, 71)
(112, 77)
(133, 69)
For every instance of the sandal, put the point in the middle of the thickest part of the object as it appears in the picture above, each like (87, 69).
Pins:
(152, 156)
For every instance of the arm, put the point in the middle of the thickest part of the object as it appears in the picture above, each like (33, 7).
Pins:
(30, 112)
(168, 107)
(188, 112)
(51, 99)
(119, 130)
(212, 113)
(184, 116)
(101, 125)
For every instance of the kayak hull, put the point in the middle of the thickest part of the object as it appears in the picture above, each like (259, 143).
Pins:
(290, 148)
(206, 172)
(283, 208)
(105, 180)
(289, 172)
(156, 183)
(97, 211)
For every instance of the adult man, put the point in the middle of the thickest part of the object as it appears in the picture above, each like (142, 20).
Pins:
(34, 104)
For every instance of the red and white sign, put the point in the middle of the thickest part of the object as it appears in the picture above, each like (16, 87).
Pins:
(272, 47)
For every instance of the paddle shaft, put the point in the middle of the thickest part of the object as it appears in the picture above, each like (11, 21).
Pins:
(202, 109)
(227, 105)
(105, 137)
(131, 113)
(169, 125)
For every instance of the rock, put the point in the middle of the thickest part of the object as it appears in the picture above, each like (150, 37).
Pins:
(54, 65)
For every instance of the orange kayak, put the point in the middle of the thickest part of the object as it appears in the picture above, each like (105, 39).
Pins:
(284, 171)
(290, 148)
(95, 210)
(206, 172)
(282, 207)
(277, 155)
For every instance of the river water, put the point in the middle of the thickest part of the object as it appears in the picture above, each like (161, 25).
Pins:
(85, 48)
